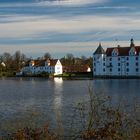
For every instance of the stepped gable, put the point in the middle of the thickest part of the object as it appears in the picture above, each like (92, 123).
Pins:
(137, 48)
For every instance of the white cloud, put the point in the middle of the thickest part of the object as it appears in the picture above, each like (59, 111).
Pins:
(29, 27)
(73, 2)
(54, 3)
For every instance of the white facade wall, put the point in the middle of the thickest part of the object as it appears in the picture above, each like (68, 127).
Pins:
(108, 66)
(99, 66)
(116, 65)
(131, 69)
(57, 69)
(123, 66)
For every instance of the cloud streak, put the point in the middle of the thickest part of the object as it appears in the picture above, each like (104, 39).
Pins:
(24, 27)
(72, 2)
(67, 25)
(54, 3)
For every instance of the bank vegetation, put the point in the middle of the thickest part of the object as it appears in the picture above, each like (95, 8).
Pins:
(99, 118)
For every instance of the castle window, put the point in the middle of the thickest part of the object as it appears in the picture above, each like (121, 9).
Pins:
(127, 64)
(104, 64)
(118, 59)
(127, 58)
(118, 69)
(110, 59)
(118, 64)
(137, 58)
(110, 69)
(137, 69)
(104, 59)
(94, 70)
(136, 63)
(104, 70)
(127, 70)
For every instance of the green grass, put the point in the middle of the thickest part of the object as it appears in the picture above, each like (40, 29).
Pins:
(7, 74)
(75, 74)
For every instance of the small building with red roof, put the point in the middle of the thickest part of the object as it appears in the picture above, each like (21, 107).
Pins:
(51, 66)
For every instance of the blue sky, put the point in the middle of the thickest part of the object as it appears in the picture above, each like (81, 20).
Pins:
(68, 26)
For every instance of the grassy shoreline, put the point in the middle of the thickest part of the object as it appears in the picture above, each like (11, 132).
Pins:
(73, 75)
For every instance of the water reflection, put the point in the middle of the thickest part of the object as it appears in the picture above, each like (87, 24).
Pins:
(54, 98)
(120, 90)
(58, 90)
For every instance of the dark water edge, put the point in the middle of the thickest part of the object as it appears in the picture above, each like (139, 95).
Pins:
(35, 101)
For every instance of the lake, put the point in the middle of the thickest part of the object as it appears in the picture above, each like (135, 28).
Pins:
(40, 100)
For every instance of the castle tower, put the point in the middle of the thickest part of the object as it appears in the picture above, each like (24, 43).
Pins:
(132, 43)
(99, 61)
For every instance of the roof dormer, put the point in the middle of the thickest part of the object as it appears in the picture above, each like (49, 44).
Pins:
(31, 63)
(115, 52)
(47, 62)
(132, 51)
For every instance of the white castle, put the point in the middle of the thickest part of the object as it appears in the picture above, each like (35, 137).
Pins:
(117, 61)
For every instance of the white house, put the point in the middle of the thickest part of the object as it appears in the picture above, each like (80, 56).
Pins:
(117, 61)
(52, 66)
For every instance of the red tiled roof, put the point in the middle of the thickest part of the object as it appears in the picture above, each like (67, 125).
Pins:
(38, 63)
(109, 51)
(123, 51)
(53, 62)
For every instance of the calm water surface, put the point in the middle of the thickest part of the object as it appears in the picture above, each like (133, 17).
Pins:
(54, 99)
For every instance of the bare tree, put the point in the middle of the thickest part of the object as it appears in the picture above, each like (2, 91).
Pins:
(70, 59)
(47, 56)
(18, 59)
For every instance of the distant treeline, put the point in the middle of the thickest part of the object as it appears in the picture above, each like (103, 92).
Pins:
(13, 63)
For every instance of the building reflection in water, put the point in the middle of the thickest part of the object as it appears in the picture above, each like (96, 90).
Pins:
(58, 90)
